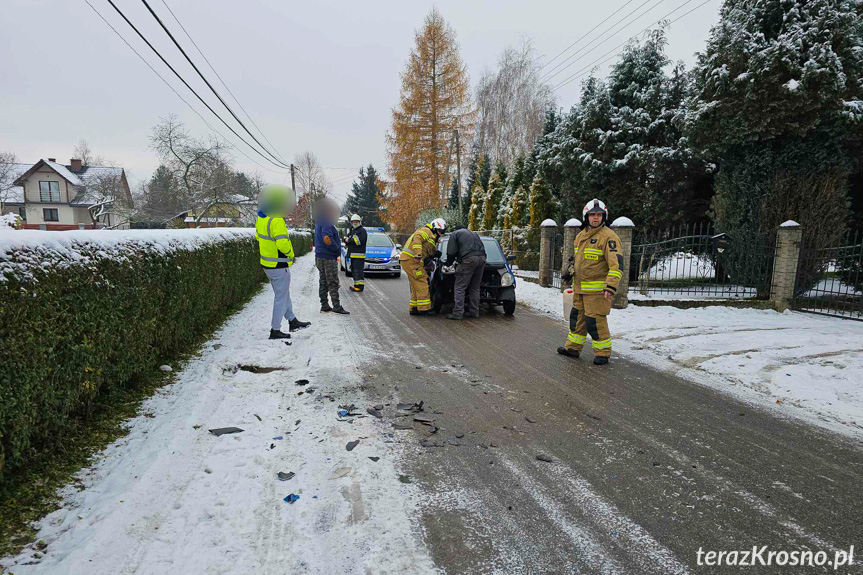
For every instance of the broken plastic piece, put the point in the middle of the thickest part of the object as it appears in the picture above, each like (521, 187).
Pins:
(341, 472)
(351, 444)
(545, 458)
(278, 438)
(225, 430)
(302, 382)
(292, 497)
(285, 476)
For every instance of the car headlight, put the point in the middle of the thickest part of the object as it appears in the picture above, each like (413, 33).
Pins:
(506, 279)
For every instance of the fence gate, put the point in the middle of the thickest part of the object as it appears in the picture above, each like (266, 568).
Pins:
(693, 261)
(829, 280)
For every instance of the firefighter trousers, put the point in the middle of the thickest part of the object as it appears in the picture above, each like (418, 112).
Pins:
(419, 281)
(589, 315)
(358, 272)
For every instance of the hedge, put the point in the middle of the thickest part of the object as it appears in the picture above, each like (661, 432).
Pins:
(84, 312)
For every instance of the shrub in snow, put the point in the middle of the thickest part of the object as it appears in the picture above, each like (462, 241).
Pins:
(84, 312)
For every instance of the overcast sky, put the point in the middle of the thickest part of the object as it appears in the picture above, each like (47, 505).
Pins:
(320, 76)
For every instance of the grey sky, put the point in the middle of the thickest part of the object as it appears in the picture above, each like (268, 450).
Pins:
(319, 76)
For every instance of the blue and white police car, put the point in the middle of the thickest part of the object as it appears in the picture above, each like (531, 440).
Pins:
(382, 255)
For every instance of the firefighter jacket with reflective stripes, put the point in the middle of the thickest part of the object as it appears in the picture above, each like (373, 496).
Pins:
(598, 261)
(421, 244)
(274, 243)
(356, 242)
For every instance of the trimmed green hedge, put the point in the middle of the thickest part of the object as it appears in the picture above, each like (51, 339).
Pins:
(88, 311)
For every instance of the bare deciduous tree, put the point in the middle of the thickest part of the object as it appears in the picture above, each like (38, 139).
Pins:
(202, 167)
(312, 183)
(511, 104)
(8, 174)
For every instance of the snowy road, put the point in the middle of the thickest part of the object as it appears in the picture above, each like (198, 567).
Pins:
(172, 498)
(646, 467)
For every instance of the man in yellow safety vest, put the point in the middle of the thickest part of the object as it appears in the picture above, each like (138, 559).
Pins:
(275, 202)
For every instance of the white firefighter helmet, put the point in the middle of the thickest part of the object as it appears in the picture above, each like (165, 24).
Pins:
(438, 224)
(595, 206)
(356, 218)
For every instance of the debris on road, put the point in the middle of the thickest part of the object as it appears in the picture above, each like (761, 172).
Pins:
(402, 426)
(259, 369)
(278, 438)
(454, 442)
(225, 430)
(285, 476)
(405, 479)
(258, 416)
(427, 443)
(374, 412)
(545, 458)
(292, 497)
(409, 408)
(375, 459)
(351, 444)
(341, 472)
(302, 382)
(529, 419)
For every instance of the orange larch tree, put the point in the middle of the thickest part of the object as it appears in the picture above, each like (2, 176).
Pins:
(435, 101)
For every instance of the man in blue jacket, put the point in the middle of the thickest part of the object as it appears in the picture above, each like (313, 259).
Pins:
(327, 253)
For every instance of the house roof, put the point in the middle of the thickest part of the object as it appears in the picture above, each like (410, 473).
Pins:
(79, 180)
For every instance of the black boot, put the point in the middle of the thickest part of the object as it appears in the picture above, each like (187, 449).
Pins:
(600, 360)
(427, 312)
(341, 310)
(326, 307)
(455, 316)
(296, 324)
(414, 311)
(278, 334)
(568, 352)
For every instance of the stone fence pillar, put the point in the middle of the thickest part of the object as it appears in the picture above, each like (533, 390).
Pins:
(546, 252)
(788, 240)
(624, 228)
(570, 230)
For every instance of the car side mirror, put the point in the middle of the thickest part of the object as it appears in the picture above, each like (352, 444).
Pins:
(511, 258)
(398, 246)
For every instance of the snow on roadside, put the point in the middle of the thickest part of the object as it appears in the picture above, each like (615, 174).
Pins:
(800, 365)
(170, 497)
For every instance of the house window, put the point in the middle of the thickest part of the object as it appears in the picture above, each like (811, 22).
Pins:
(23, 213)
(51, 214)
(49, 192)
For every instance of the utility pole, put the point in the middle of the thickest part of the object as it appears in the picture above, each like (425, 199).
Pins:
(458, 169)
(293, 185)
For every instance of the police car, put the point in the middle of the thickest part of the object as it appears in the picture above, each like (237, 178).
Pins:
(382, 255)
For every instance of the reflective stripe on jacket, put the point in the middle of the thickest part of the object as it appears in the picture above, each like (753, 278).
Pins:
(598, 262)
(421, 244)
(274, 243)
(356, 241)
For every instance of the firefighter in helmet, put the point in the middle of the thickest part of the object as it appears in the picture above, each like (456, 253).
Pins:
(596, 270)
(356, 252)
(417, 253)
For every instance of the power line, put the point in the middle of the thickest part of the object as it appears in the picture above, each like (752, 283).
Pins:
(582, 72)
(551, 73)
(221, 80)
(177, 74)
(210, 86)
(132, 48)
(559, 54)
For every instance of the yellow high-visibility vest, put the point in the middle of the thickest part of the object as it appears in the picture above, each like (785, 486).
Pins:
(274, 244)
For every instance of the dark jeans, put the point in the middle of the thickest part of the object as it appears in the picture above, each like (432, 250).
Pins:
(328, 280)
(468, 276)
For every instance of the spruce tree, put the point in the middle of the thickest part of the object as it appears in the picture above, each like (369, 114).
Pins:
(778, 104)
(364, 198)
(492, 201)
(541, 204)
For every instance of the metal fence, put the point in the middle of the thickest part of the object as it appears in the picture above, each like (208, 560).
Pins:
(829, 280)
(694, 261)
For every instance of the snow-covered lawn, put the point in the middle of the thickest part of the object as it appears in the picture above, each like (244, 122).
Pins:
(681, 265)
(798, 364)
(170, 497)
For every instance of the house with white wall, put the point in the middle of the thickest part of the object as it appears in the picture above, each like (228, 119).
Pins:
(52, 196)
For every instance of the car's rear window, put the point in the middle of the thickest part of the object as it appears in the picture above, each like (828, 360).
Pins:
(379, 241)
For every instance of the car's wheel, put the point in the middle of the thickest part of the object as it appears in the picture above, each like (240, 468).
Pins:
(437, 301)
(509, 307)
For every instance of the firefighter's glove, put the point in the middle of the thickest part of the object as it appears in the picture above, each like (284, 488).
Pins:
(437, 253)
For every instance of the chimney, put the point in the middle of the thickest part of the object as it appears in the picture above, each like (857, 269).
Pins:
(75, 165)
(52, 159)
